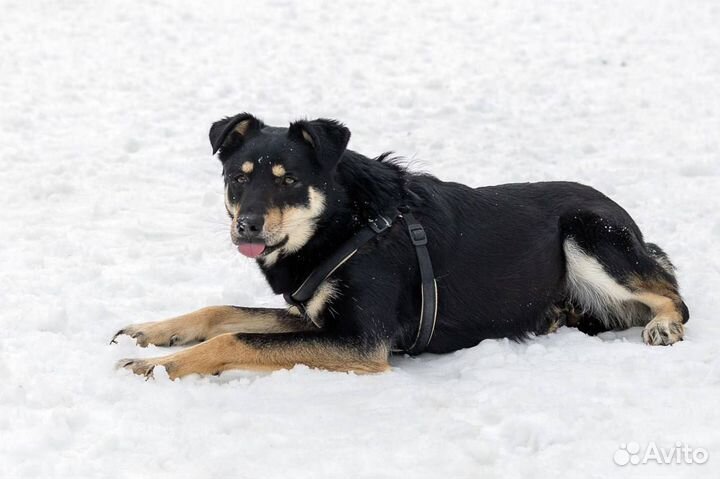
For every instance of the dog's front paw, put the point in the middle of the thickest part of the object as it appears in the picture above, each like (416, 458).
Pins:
(141, 367)
(663, 331)
(158, 333)
(146, 367)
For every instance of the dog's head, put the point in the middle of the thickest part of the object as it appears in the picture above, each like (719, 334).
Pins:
(276, 180)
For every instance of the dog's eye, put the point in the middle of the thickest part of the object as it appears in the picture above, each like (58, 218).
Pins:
(242, 179)
(288, 180)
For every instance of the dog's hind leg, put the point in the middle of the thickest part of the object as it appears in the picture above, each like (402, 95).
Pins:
(268, 352)
(213, 321)
(566, 313)
(621, 280)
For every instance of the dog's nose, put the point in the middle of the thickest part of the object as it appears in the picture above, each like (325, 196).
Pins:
(251, 225)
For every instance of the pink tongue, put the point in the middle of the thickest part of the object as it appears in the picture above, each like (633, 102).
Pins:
(251, 250)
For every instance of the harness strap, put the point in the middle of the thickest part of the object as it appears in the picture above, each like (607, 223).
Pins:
(428, 304)
(418, 237)
(328, 266)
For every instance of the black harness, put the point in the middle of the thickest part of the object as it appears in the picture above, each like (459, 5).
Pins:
(418, 237)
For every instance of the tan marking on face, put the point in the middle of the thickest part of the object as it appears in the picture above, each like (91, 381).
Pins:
(273, 220)
(278, 170)
(233, 208)
(273, 233)
(297, 223)
(247, 167)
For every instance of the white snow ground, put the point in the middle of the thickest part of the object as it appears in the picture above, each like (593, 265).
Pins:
(111, 212)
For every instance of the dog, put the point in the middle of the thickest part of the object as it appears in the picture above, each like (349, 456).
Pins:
(508, 261)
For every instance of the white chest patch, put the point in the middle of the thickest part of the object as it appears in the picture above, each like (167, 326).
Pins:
(320, 301)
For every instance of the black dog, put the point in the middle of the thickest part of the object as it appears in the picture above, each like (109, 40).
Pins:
(508, 261)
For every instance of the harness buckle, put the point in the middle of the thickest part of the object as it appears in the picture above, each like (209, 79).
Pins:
(377, 226)
(417, 234)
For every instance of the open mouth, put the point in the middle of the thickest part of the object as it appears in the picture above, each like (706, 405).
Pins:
(254, 250)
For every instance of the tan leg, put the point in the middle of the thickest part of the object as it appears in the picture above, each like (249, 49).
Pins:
(209, 322)
(662, 297)
(264, 352)
(666, 326)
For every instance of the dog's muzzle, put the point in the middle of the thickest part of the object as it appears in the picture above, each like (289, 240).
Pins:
(249, 240)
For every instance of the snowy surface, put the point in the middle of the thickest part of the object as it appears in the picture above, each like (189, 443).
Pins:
(111, 212)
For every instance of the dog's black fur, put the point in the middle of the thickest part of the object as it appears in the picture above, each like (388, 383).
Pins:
(499, 252)
(509, 261)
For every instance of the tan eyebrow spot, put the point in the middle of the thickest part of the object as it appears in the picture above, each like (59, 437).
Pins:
(278, 170)
(247, 167)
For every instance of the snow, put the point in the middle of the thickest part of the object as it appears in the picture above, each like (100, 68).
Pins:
(112, 213)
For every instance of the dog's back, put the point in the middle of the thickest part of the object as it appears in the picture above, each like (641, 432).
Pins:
(509, 262)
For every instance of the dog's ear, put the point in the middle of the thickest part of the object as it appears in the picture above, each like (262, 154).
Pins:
(328, 138)
(225, 131)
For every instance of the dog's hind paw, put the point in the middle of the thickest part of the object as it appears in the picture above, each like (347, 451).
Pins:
(663, 331)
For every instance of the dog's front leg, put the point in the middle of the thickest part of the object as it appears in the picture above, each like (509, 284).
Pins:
(268, 352)
(209, 322)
